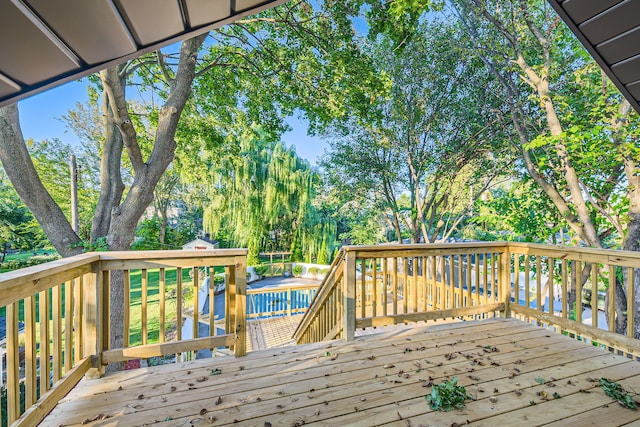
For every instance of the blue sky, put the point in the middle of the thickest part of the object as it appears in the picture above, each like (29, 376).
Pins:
(39, 119)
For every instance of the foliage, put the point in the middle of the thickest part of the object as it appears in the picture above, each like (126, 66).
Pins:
(520, 208)
(616, 392)
(447, 396)
(263, 199)
(261, 270)
(18, 228)
(297, 270)
(415, 163)
(51, 160)
(16, 264)
(147, 235)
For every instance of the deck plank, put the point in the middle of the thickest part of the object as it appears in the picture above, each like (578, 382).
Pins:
(374, 380)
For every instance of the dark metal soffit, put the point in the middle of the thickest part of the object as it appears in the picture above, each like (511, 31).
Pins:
(610, 30)
(45, 43)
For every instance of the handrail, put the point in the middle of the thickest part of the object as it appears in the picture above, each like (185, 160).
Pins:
(402, 283)
(549, 284)
(66, 305)
(456, 280)
(18, 284)
(328, 284)
(63, 307)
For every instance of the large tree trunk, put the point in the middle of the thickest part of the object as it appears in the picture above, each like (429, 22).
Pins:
(125, 217)
(19, 167)
(111, 185)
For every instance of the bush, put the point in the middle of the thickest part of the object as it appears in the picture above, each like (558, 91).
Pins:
(261, 270)
(313, 271)
(16, 264)
(324, 272)
(297, 270)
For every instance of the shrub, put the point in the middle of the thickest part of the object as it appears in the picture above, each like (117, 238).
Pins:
(324, 272)
(261, 270)
(297, 270)
(16, 264)
(313, 271)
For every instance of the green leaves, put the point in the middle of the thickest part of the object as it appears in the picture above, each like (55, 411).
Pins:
(616, 392)
(447, 396)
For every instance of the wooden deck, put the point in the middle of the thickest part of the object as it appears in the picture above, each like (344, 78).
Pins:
(512, 369)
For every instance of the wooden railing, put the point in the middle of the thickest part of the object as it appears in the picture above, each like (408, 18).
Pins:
(323, 319)
(58, 315)
(552, 286)
(589, 294)
(384, 285)
(62, 311)
(279, 301)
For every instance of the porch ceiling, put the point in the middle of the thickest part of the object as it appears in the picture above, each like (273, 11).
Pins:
(46, 43)
(610, 30)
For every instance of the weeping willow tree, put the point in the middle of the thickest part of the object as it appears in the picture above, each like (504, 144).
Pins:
(264, 198)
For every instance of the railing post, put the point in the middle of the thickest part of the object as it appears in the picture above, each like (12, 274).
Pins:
(289, 302)
(349, 296)
(505, 278)
(93, 315)
(240, 348)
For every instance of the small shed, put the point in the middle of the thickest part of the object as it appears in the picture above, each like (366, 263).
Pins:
(201, 244)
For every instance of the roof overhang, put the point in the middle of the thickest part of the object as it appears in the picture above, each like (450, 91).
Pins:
(45, 43)
(610, 30)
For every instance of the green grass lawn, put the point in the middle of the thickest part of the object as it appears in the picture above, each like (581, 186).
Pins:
(153, 304)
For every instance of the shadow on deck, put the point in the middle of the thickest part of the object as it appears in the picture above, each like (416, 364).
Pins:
(512, 369)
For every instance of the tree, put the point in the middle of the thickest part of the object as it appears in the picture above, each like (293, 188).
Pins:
(430, 141)
(115, 217)
(18, 228)
(558, 135)
(263, 199)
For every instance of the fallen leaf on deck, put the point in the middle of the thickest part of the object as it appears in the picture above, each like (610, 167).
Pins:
(96, 418)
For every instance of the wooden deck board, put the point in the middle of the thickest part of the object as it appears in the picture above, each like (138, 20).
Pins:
(374, 380)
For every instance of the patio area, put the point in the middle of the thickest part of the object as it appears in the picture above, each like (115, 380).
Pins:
(517, 374)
